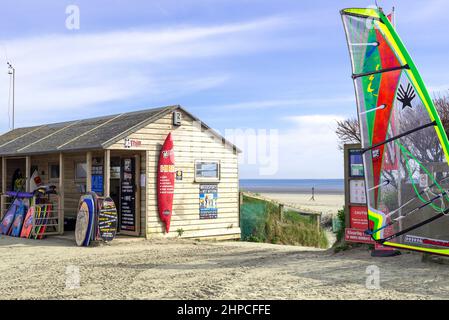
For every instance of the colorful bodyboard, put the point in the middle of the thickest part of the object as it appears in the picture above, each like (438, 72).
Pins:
(19, 216)
(85, 219)
(47, 208)
(28, 223)
(91, 205)
(107, 219)
(39, 217)
(82, 223)
(95, 232)
(9, 217)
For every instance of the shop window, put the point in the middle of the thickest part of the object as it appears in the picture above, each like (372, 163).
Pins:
(80, 170)
(207, 170)
(53, 171)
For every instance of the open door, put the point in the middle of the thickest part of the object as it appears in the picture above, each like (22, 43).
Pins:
(129, 202)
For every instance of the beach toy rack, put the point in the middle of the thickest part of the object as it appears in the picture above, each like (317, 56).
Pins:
(43, 213)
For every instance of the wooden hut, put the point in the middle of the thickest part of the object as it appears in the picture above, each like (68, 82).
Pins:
(89, 155)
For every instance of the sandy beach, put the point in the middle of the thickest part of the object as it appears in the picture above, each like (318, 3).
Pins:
(187, 269)
(328, 193)
(326, 203)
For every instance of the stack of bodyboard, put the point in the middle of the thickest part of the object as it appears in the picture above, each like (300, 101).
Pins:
(96, 219)
(28, 214)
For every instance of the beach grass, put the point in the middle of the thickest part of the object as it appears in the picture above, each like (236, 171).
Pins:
(262, 222)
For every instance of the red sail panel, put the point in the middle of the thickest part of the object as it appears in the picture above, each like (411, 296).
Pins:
(387, 90)
(391, 18)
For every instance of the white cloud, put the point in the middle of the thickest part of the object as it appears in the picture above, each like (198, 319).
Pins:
(423, 12)
(63, 73)
(312, 102)
(308, 150)
(312, 148)
(439, 89)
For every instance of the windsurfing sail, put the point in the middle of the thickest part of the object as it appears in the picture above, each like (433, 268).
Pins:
(405, 147)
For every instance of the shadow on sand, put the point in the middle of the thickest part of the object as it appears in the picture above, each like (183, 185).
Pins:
(66, 240)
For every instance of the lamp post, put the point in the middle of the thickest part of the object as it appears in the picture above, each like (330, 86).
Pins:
(12, 72)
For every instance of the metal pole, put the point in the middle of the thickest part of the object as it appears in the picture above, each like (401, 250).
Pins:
(13, 93)
(12, 71)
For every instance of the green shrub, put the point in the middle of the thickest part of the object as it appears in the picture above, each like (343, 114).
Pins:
(180, 232)
(341, 217)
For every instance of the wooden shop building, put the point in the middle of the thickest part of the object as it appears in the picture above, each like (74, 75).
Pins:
(102, 155)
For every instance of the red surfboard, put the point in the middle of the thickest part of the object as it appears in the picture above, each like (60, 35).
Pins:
(166, 181)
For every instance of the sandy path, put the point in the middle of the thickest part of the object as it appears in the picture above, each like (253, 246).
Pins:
(185, 269)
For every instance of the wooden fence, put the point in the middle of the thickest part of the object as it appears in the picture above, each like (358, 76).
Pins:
(283, 206)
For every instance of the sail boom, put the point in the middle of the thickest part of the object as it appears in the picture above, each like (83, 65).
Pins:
(359, 14)
(416, 226)
(408, 213)
(369, 73)
(433, 123)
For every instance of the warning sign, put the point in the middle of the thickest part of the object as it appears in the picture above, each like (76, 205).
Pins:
(356, 235)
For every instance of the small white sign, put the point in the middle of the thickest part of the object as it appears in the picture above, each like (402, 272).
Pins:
(142, 180)
(132, 143)
(423, 180)
(357, 192)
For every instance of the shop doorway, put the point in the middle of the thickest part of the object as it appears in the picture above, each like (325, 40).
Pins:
(124, 190)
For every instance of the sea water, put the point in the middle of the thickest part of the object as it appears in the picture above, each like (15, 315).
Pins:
(332, 186)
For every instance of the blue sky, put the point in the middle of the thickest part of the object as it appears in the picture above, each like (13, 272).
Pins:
(246, 64)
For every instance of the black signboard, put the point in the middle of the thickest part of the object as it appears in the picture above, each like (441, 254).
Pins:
(128, 195)
(107, 219)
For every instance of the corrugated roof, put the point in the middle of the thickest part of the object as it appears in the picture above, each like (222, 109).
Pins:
(76, 135)
(87, 134)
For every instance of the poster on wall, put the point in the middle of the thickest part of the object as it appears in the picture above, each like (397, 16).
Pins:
(357, 192)
(355, 163)
(208, 201)
(128, 195)
(97, 184)
(97, 175)
(115, 172)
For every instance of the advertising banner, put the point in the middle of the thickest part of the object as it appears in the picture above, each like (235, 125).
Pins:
(208, 201)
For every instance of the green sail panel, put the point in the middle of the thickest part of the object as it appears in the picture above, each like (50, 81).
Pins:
(405, 146)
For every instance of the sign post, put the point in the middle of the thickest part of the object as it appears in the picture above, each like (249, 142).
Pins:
(355, 196)
(356, 209)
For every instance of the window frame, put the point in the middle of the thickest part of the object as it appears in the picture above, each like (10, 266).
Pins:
(50, 164)
(75, 170)
(207, 179)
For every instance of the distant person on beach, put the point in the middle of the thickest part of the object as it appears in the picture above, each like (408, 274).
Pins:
(313, 194)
